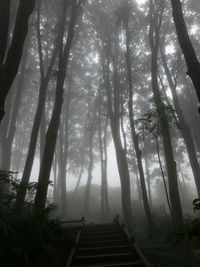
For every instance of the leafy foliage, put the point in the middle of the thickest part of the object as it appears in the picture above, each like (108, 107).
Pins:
(25, 240)
(190, 230)
(150, 121)
(8, 190)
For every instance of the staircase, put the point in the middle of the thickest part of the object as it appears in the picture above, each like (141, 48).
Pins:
(105, 245)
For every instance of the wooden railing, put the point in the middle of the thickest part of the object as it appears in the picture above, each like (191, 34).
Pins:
(132, 241)
(70, 222)
(82, 220)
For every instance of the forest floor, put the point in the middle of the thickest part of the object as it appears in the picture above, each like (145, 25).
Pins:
(162, 253)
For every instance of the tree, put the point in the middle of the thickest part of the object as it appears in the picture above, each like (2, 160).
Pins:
(45, 78)
(10, 67)
(113, 105)
(125, 16)
(155, 16)
(51, 135)
(186, 45)
(184, 129)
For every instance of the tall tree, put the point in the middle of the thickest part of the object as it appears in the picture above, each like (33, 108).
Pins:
(185, 131)
(51, 136)
(45, 78)
(4, 28)
(10, 67)
(125, 17)
(113, 105)
(155, 17)
(186, 45)
(8, 129)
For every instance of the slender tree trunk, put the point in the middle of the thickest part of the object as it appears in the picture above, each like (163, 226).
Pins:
(188, 107)
(62, 170)
(186, 45)
(4, 156)
(39, 111)
(91, 157)
(101, 157)
(4, 27)
(185, 131)
(12, 62)
(51, 136)
(148, 180)
(82, 161)
(8, 128)
(89, 179)
(122, 164)
(139, 189)
(135, 138)
(107, 208)
(163, 176)
(155, 23)
(64, 147)
(55, 169)
(42, 133)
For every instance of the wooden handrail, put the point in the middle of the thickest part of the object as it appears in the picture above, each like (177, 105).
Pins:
(73, 221)
(132, 241)
(71, 256)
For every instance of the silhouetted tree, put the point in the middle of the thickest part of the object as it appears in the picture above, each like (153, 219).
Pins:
(186, 45)
(9, 68)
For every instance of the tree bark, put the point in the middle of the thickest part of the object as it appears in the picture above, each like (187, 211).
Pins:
(122, 164)
(148, 179)
(191, 59)
(135, 141)
(51, 136)
(10, 68)
(184, 129)
(4, 28)
(39, 111)
(103, 160)
(91, 119)
(155, 24)
(82, 161)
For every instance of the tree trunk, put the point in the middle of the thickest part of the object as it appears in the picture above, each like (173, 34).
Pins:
(10, 68)
(105, 180)
(185, 131)
(64, 147)
(103, 158)
(186, 45)
(148, 179)
(51, 136)
(42, 133)
(91, 119)
(4, 28)
(169, 156)
(89, 179)
(122, 164)
(135, 137)
(38, 116)
(82, 161)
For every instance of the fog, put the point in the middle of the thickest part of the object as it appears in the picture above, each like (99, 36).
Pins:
(99, 110)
